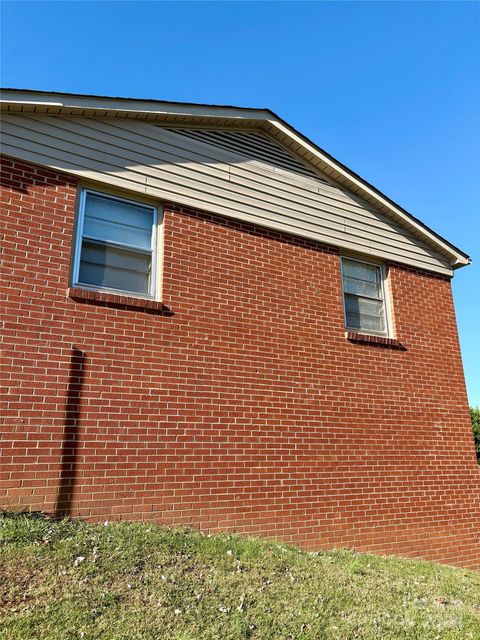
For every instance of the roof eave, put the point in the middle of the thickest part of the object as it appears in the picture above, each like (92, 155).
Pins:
(81, 102)
(25, 99)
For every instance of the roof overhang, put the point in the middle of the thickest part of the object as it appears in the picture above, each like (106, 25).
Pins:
(52, 103)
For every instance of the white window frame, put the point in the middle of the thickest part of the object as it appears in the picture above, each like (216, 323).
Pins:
(154, 250)
(385, 298)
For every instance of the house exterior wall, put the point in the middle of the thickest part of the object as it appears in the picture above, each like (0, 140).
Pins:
(240, 405)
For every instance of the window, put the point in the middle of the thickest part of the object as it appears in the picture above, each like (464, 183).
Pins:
(364, 297)
(116, 245)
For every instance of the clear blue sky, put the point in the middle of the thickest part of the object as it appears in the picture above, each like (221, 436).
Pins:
(392, 90)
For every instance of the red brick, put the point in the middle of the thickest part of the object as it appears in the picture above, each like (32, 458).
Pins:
(239, 403)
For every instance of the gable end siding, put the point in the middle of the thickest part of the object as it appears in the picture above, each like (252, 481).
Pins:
(213, 173)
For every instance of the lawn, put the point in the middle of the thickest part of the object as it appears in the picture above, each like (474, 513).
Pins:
(129, 581)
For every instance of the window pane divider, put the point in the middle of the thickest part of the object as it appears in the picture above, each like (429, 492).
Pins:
(115, 243)
(98, 264)
(118, 224)
(362, 295)
(362, 279)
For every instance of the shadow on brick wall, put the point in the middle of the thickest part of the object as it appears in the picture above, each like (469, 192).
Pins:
(69, 453)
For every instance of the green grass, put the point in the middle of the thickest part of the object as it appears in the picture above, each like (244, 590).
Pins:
(70, 579)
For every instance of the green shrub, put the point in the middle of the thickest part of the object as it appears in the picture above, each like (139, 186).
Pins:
(475, 413)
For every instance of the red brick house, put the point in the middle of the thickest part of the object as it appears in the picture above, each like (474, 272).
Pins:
(210, 321)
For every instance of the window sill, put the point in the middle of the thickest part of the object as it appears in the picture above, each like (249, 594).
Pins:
(117, 301)
(381, 341)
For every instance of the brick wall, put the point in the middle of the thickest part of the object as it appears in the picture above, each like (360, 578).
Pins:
(239, 403)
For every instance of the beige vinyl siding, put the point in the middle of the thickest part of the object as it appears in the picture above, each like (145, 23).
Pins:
(211, 171)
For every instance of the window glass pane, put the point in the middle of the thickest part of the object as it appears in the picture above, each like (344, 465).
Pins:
(362, 288)
(116, 221)
(360, 305)
(361, 270)
(365, 323)
(364, 313)
(115, 268)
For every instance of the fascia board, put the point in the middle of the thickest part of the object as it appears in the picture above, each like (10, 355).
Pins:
(457, 258)
(127, 105)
